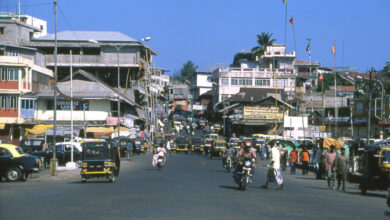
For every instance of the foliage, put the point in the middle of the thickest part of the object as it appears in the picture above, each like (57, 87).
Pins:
(329, 81)
(186, 71)
(241, 56)
(263, 40)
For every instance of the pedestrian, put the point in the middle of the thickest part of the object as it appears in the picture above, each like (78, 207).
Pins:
(274, 173)
(129, 147)
(328, 160)
(305, 157)
(262, 148)
(45, 146)
(317, 161)
(169, 148)
(268, 151)
(340, 165)
(293, 160)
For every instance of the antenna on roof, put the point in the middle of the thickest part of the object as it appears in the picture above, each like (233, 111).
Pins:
(19, 9)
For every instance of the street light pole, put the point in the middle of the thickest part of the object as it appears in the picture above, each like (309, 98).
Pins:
(53, 163)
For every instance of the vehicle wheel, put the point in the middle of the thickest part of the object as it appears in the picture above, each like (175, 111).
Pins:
(211, 157)
(159, 167)
(186, 152)
(111, 179)
(243, 186)
(83, 180)
(228, 169)
(13, 174)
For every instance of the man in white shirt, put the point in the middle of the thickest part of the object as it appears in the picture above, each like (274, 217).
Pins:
(274, 173)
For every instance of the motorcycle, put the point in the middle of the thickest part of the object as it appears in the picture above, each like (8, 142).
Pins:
(228, 163)
(160, 162)
(246, 167)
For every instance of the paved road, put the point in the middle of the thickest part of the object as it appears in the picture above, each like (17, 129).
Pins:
(189, 187)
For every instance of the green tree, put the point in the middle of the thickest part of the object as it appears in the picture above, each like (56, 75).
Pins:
(263, 40)
(186, 71)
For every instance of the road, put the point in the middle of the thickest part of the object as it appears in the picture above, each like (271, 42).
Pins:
(188, 187)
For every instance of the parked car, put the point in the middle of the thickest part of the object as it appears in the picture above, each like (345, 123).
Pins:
(15, 165)
(63, 153)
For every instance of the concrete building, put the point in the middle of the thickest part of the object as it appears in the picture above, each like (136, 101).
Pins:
(275, 70)
(20, 73)
(201, 81)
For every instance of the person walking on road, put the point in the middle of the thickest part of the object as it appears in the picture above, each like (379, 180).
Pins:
(169, 148)
(129, 147)
(340, 165)
(305, 157)
(329, 158)
(274, 173)
(293, 160)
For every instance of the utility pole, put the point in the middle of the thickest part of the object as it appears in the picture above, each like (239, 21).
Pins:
(311, 86)
(369, 108)
(54, 162)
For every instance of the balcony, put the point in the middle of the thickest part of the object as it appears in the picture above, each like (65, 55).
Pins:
(109, 60)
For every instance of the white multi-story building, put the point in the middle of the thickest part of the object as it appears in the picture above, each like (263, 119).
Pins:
(275, 70)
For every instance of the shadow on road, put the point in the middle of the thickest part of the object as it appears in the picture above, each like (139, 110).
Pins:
(368, 194)
(90, 181)
(387, 213)
(306, 178)
(229, 187)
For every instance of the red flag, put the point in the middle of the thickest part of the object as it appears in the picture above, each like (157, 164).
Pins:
(321, 78)
(291, 20)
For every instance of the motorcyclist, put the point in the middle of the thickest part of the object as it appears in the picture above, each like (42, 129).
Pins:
(246, 152)
(229, 151)
(160, 151)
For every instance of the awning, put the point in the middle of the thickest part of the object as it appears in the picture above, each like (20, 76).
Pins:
(2, 126)
(37, 129)
(122, 129)
(100, 129)
(251, 122)
(229, 107)
(61, 131)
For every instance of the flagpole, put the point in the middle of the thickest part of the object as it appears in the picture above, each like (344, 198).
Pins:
(335, 89)
(295, 43)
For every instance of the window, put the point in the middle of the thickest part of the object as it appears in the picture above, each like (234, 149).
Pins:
(4, 152)
(262, 82)
(27, 103)
(8, 101)
(234, 81)
(14, 53)
(35, 77)
(248, 81)
(225, 81)
(9, 73)
(223, 97)
(1, 30)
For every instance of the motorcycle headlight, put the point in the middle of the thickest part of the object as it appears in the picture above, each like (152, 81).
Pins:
(248, 163)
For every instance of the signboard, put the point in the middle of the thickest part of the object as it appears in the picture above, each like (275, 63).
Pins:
(113, 120)
(197, 107)
(262, 113)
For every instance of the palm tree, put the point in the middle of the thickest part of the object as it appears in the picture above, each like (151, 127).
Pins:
(263, 40)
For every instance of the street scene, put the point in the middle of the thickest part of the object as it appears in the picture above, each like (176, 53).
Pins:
(200, 110)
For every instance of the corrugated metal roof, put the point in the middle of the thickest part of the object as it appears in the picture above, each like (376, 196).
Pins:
(110, 36)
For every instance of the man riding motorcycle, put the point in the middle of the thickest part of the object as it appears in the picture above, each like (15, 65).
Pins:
(229, 151)
(160, 152)
(246, 152)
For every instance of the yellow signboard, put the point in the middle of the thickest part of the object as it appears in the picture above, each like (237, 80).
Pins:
(262, 113)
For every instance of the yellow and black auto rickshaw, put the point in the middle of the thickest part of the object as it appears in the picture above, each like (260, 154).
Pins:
(218, 147)
(376, 166)
(100, 159)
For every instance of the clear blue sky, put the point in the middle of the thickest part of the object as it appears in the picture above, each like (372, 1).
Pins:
(209, 31)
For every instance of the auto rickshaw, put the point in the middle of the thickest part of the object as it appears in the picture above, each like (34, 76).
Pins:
(218, 147)
(376, 165)
(139, 146)
(217, 128)
(100, 159)
(235, 143)
(182, 144)
(197, 145)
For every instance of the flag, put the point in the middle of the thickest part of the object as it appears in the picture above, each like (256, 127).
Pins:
(284, 1)
(334, 48)
(292, 20)
(308, 48)
(321, 78)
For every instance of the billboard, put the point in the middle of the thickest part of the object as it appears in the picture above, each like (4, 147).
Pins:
(270, 113)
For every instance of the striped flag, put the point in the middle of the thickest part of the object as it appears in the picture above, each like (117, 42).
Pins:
(334, 48)
(292, 20)
(284, 1)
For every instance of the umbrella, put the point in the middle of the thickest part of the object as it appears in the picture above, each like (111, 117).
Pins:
(143, 134)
